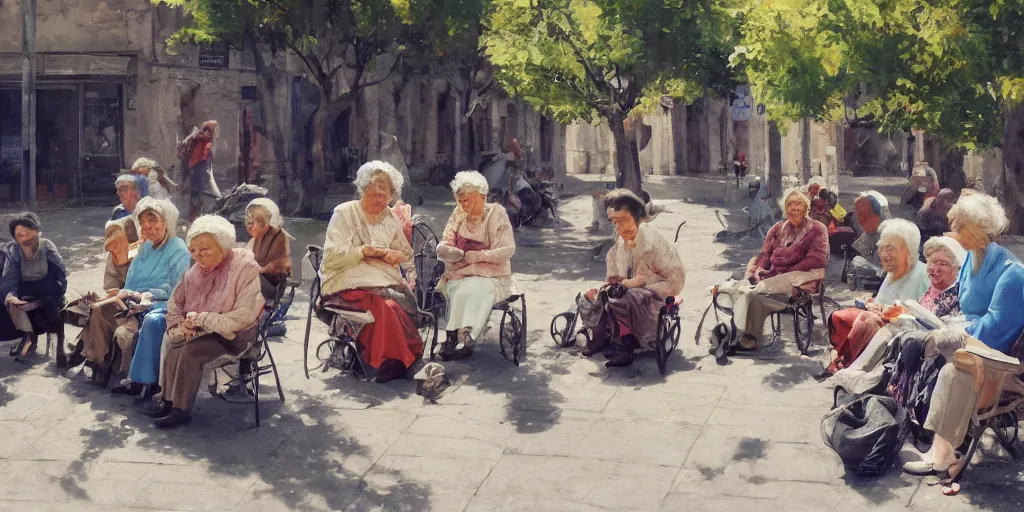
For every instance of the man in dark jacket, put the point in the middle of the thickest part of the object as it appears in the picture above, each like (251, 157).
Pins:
(33, 284)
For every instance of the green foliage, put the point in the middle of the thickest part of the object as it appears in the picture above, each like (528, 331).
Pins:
(946, 66)
(588, 59)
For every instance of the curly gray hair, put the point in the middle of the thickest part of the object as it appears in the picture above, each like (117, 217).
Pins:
(981, 209)
(470, 181)
(370, 169)
(905, 231)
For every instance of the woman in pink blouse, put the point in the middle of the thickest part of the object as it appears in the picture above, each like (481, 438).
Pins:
(477, 247)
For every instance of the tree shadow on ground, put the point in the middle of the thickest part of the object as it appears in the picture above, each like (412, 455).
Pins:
(302, 454)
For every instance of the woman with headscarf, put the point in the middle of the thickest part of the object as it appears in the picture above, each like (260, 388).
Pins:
(739, 166)
(160, 186)
(214, 311)
(364, 247)
(157, 268)
(196, 151)
(33, 284)
(645, 269)
(270, 244)
(477, 247)
(794, 255)
(906, 279)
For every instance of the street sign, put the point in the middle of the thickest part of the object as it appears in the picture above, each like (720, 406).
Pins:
(213, 58)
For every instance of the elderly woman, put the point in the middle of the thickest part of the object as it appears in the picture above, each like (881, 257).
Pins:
(991, 284)
(130, 190)
(906, 279)
(643, 269)
(794, 254)
(160, 186)
(270, 244)
(33, 284)
(365, 245)
(101, 322)
(157, 268)
(214, 311)
(477, 247)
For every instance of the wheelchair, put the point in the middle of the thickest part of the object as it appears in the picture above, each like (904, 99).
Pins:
(341, 349)
(564, 330)
(800, 306)
(512, 328)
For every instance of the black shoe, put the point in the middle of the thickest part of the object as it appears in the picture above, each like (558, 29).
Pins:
(157, 410)
(174, 419)
(390, 370)
(448, 351)
(133, 388)
(620, 359)
(597, 341)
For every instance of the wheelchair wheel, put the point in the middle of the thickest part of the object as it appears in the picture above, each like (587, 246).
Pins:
(1008, 432)
(803, 327)
(563, 329)
(668, 340)
(511, 337)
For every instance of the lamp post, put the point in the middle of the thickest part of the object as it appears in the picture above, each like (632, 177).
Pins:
(28, 103)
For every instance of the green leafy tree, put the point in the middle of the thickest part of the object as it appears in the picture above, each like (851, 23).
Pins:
(609, 59)
(952, 68)
(345, 45)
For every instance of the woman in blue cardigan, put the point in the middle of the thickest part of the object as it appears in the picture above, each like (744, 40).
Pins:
(991, 294)
(992, 278)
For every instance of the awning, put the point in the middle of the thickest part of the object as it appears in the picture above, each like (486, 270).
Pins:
(55, 66)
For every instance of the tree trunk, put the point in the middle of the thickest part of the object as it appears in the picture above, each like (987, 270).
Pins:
(315, 187)
(627, 161)
(805, 150)
(1013, 167)
(774, 160)
(267, 88)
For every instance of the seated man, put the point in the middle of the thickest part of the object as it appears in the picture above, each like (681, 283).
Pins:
(270, 244)
(870, 209)
(364, 247)
(33, 284)
(130, 190)
(794, 254)
(643, 269)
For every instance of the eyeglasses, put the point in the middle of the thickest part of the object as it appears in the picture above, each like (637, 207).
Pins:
(940, 264)
(887, 248)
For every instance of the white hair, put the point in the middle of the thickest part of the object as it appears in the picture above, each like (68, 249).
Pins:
(816, 180)
(147, 163)
(953, 249)
(906, 231)
(114, 225)
(273, 212)
(125, 179)
(801, 194)
(163, 208)
(981, 209)
(367, 170)
(470, 180)
(216, 226)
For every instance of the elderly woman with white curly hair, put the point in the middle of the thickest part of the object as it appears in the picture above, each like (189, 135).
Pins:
(794, 255)
(991, 291)
(906, 279)
(477, 246)
(214, 311)
(364, 247)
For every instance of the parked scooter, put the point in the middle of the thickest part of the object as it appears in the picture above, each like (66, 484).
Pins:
(529, 199)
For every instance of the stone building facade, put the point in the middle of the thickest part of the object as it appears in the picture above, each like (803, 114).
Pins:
(109, 90)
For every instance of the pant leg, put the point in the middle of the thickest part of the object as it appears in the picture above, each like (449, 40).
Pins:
(953, 403)
(760, 306)
(268, 289)
(183, 367)
(145, 366)
(98, 332)
(470, 301)
(19, 317)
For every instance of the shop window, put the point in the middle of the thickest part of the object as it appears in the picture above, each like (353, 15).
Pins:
(101, 134)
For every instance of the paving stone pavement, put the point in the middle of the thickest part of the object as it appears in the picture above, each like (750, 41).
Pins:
(559, 433)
